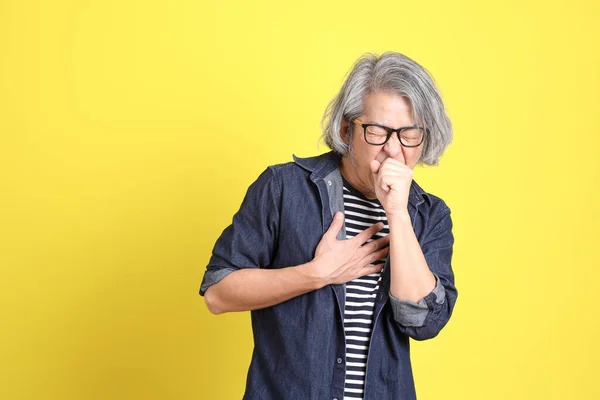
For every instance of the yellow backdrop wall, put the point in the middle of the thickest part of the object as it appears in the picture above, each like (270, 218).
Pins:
(130, 130)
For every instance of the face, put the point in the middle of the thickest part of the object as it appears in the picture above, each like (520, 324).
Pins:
(385, 109)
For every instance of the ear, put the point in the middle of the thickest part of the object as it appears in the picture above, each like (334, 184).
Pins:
(345, 131)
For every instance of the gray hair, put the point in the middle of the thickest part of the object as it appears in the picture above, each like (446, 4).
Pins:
(395, 73)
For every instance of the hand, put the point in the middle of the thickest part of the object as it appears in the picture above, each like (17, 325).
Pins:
(340, 261)
(392, 179)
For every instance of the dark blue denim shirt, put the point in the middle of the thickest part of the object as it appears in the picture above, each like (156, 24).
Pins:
(299, 345)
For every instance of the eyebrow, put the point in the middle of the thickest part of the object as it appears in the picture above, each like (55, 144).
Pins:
(389, 127)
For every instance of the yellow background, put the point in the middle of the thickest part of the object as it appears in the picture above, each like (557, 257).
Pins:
(130, 131)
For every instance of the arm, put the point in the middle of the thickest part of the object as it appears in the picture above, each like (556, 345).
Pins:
(336, 261)
(411, 278)
(237, 276)
(424, 319)
(251, 289)
(419, 270)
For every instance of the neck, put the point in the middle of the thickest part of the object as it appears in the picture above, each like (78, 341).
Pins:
(348, 171)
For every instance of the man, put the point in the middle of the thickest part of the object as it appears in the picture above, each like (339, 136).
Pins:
(343, 257)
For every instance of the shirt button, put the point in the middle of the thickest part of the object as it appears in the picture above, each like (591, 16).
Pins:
(329, 183)
(339, 360)
(335, 398)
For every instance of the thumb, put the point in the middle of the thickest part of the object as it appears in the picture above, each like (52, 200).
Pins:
(336, 224)
(375, 166)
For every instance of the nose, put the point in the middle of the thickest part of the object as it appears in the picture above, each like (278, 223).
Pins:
(393, 146)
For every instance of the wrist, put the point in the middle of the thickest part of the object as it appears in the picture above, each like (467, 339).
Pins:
(309, 273)
(398, 217)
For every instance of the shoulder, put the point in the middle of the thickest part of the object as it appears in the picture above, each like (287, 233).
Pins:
(434, 204)
(433, 216)
(284, 172)
(318, 165)
(276, 176)
(283, 169)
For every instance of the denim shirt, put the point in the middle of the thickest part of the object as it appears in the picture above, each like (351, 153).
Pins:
(299, 345)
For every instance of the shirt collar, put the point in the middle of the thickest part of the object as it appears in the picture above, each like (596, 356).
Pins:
(321, 165)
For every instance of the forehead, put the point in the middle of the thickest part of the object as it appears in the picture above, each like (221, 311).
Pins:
(388, 108)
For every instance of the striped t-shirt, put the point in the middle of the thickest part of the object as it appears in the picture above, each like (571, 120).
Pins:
(360, 213)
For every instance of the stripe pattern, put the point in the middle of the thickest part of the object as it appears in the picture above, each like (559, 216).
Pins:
(360, 213)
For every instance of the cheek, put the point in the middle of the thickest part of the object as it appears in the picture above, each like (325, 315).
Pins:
(363, 152)
(411, 156)
(369, 155)
(363, 159)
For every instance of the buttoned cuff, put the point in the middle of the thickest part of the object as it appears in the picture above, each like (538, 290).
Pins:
(409, 313)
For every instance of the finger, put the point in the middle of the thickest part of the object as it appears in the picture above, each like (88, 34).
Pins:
(394, 168)
(370, 269)
(375, 245)
(336, 224)
(376, 256)
(392, 164)
(374, 249)
(386, 182)
(375, 166)
(368, 233)
(394, 174)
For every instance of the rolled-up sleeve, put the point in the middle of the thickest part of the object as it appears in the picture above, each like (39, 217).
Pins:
(426, 318)
(409, 313)
(250, 240)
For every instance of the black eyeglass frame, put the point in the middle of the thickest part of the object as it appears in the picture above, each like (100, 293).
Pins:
(391, 131)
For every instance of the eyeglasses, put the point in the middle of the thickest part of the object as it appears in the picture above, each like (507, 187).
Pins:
(378, 135)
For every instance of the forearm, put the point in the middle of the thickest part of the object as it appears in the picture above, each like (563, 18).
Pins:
(255, 288)
(411, 278)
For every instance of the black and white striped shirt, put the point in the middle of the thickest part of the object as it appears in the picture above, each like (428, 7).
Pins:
(360, 213)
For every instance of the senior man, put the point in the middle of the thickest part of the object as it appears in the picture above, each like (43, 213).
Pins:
(342, 257)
